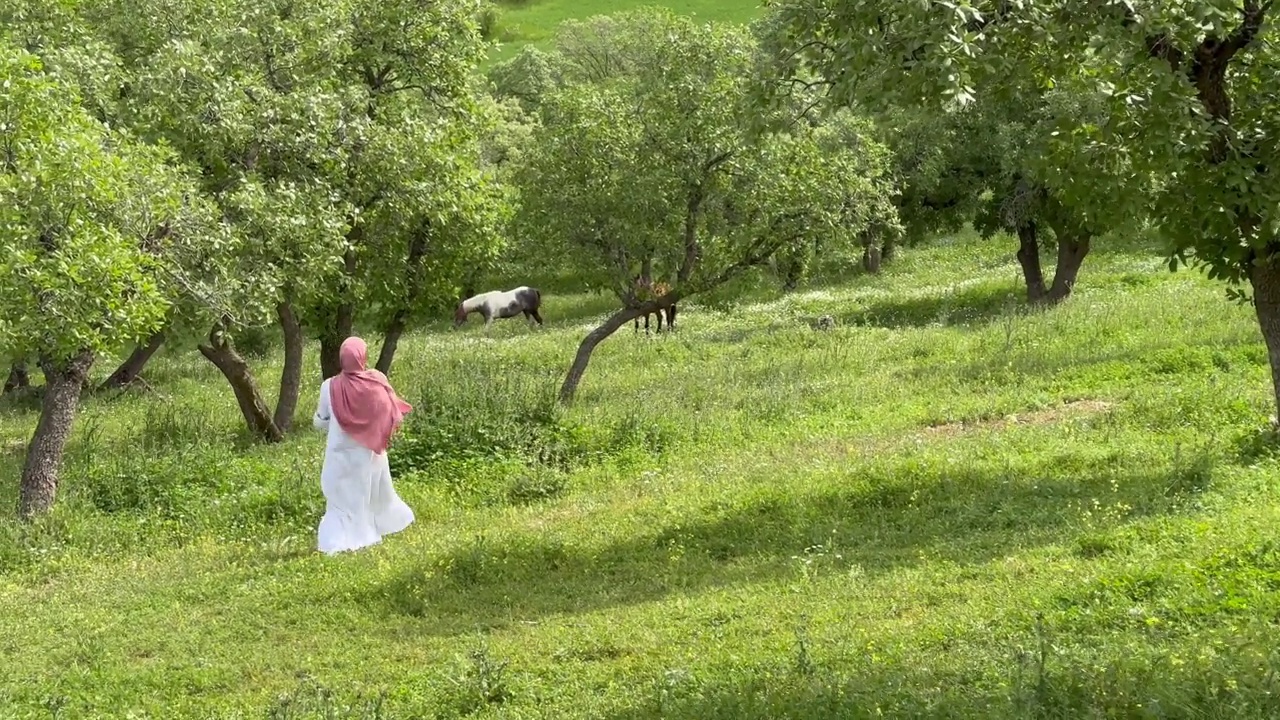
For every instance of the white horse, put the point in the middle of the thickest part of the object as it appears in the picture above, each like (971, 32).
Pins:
(498, 304)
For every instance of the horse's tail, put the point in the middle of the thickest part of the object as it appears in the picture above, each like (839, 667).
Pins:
(537, 297)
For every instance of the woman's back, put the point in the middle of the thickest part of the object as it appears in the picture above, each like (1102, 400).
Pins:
(337, 438)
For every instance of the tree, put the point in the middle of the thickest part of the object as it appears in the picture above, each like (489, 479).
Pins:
(407, 76)
(1184, 91)
(450, 224)
(843, 131)
(653, 172)
(242, 91)
(994, 159)
(84, 217)
(941, 166)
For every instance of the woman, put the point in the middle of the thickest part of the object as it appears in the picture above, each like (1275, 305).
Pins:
(356, 480)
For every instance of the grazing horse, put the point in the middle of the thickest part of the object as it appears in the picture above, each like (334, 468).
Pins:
(652, 290)
(498, 304)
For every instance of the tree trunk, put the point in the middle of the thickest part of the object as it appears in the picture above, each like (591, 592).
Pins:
(413, 283)
(223, 355)
(1029, 258)
(291, 374)
(63, 384)
(390, 340)
(18, 378)
(888, 251)
(331, 341)
(131, 368)
(792, 270)
(1264, 276)
(570, 386)
(344, 315)
(871, 258)
(1071, 253)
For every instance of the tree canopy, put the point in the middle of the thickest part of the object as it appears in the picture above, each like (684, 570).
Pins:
(651, 170)
(1179, 98)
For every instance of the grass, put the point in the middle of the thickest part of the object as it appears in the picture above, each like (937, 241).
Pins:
(524, 22)
(943, 507)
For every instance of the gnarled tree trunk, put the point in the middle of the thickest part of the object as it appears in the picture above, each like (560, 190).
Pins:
(131, 368)
(570, 386)
(1072, 250)
(390, 341)
(64, 381)
(1029, 259)
(18, 378)
(1264, 276)
(219, 351)
(291, 374)
(331, 340)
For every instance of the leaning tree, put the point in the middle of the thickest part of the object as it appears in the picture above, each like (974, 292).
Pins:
(1185, 91)
(653, 172)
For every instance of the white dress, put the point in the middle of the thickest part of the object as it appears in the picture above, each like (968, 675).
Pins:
(361, 504)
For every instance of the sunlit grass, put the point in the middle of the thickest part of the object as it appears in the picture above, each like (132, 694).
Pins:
(533, 22)
(944, 507)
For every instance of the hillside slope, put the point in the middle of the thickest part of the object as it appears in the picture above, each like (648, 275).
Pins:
(943, 507)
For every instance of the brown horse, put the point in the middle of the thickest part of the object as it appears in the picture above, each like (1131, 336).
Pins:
(652, 290)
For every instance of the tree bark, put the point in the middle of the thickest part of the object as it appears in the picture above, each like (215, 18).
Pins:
(331, 341)
(888, 251)
(1264, 277)
(131, 368)
(1029, 259)
(792, 270)
(18, 378)
(343, 316)
(1072, 250)
(223, 355)
(291, 374)
(63, 383)
(413, 288)
(570, 386)
(390, 341)
(871, 258)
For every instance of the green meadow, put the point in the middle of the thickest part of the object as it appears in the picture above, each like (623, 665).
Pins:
(533, 22)
(944, 506)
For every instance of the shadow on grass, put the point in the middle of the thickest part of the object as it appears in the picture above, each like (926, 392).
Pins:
(887, 517)
(1070, 682)
(977, 305)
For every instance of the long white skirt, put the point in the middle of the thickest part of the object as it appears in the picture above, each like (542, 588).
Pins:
(361, 503)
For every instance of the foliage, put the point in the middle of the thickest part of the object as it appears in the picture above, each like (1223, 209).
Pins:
(1124, 61)
(87, 221)
(648, 163)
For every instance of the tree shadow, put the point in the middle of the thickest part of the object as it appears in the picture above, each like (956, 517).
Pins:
(889, 517)
(970, 306)
(1065, 684)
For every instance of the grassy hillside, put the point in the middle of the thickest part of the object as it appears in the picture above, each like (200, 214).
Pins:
(524, 22)
(944, 507)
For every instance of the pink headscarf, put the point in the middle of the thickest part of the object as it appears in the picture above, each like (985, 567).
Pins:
(363, 402)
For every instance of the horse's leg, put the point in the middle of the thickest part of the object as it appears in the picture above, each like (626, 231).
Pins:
(536, 316)
(671, 317)
(635, 325)
(659, 314)
(646, 323)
